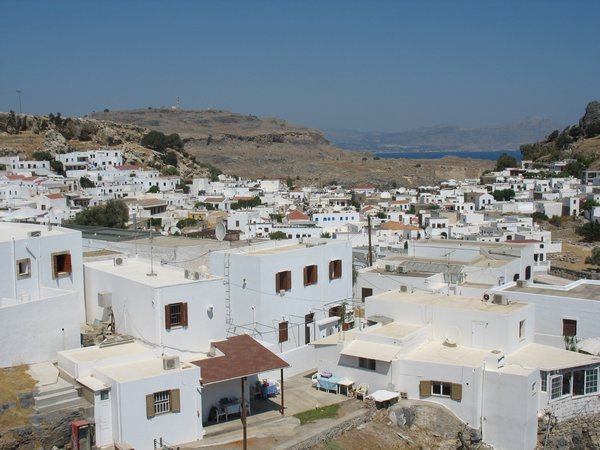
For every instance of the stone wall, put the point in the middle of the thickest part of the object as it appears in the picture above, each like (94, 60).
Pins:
(579, 432)
(573, 274)
(575, 406)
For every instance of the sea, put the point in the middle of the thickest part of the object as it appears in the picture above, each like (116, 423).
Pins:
(488, 154)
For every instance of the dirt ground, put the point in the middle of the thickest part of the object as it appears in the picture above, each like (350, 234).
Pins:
(574, 249)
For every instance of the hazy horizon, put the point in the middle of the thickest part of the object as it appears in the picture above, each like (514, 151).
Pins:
(367, 66)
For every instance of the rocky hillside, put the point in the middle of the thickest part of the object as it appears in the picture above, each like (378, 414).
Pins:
(240, 145)
(580, 142)
(264, 147)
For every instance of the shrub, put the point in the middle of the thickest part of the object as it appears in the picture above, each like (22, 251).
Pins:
(85, 182)
(539, 216)
(113, 214)
(556, 221)
(278, 235)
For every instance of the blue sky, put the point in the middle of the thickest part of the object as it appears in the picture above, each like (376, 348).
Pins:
(366, 65)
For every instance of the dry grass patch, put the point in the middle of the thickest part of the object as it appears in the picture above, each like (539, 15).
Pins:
(14, 380)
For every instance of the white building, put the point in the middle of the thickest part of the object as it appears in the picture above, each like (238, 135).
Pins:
(474, 357)
(167, 306)
(286, 285)
(140, 396)
(41, 292)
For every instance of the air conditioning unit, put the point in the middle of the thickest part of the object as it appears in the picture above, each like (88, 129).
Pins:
(500, 299)
(104, 299)
(390, 268)
(120, 261)
(170, 362)
(401, 269)
(403, 288)
(521, 283)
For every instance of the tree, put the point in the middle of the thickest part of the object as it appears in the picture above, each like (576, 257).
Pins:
(58, 167)
(42, 156)
(505, 161)
(170, 159)
(153, 190)
(85, 182)
(590, 231)
(278, 235)
(113, 214)
(589, 205)
(158, 141)
(187, 222)
(170, 171)
(326, 234)
(503, 195)
(595, 258)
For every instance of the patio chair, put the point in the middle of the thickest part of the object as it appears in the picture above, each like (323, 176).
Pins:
(313, 380)
(362, 390)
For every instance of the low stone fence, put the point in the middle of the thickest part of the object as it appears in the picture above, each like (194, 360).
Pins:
(573, 274)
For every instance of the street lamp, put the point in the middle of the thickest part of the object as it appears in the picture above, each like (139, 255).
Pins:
(20, 106)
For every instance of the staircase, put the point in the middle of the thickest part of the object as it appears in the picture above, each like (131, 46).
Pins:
(57, 396)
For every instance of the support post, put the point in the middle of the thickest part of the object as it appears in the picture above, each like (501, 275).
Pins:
(244, 414)
(282, 398)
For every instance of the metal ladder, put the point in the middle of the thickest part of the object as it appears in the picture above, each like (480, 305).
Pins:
(227, 283)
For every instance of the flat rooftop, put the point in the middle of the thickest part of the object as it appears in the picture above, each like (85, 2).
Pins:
(145, 368)
(440, 353)
(96, 353)
(17, 231)
(549, 358)
(138, 270)
(397, 330)
(582, 289)
(447, 301)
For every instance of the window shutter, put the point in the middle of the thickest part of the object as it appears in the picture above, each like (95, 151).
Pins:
(68, 266)
(331, 270)
(277, 282)
(456, 392)
(150, 406)
(425, 388)
(168, 317)
(54, 266)
(174, 400)
(288, 280)
(283, 331)
(305, 276)
(338, 273)
(184, 315)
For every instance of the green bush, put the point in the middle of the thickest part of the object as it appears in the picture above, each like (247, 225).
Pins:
(278, 235)
(113, 214)
(556, 221)
(595, 258)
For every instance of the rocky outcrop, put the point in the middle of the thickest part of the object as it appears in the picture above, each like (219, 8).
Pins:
(590, 122)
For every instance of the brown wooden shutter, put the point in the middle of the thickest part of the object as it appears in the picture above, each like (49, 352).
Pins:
(150, 406)
(168, 317)
(55, 266)
(174, 400)
(288, 280)
(456, 392)
(425, 388)
(331, 270)
(283, 331)
(305, 276)
(68, 267)
(569, 327)
(338, 272)
(277, 282)
(184, 315)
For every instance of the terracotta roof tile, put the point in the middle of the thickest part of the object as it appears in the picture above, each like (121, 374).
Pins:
(243, 356)
(55, 196)
(297, 215)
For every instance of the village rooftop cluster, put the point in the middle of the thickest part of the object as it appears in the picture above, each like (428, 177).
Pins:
(440, 293)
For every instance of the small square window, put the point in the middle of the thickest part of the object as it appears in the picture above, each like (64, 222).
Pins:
(310, 275)
(104, 394)
(61, 264)
(335, 269)
(521, 330)
(24, 268)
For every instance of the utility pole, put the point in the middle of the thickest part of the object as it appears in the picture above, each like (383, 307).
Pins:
(20, 106)
(370, 254)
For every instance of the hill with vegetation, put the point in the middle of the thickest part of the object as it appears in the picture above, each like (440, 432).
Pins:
(204, 143)
(579, 143)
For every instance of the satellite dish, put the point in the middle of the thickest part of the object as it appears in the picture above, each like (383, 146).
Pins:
(292, 207)
(220, 231)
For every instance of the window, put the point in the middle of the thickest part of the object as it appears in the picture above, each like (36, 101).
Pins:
(162, 402)
(335, 269)
(578, 382)
(555, 387)
(176, 315)
(366, 292)
(521, 330)
(283, 331)
(544, 377)
(104, 394)
(569, 327)
(283, 281)
(366, 363)
(310, 275)
(23, 268)
(61, 264)
(441, 389)
(591, 381)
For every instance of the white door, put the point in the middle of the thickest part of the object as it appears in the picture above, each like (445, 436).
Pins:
(103, 413)
(478, 334)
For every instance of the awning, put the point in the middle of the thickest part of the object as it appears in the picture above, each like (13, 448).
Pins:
(242, 356)
(371, 350)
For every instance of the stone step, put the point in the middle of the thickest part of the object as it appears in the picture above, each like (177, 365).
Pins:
(76, 402)
(60, 386)
(55, 397)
